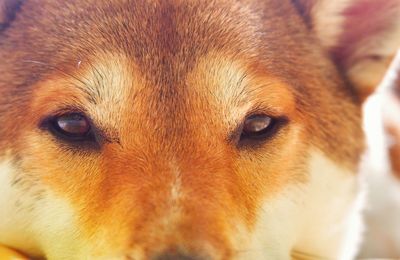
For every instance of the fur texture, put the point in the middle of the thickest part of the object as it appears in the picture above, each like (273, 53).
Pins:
(167, 84)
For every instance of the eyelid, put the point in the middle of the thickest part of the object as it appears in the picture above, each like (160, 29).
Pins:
(261, 109)
(280, 120)
(105, 135)
(99, 133)
(278, 124)
(66, 110)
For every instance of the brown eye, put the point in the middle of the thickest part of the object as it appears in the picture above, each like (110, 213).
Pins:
(72, 126)
(258, 128)
(256, 125)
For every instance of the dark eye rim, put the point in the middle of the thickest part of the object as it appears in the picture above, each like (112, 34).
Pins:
(50, 124)
(257, 140)
(260, 133)
(65, 134)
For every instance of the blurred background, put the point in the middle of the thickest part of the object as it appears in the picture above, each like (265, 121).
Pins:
(381, 168)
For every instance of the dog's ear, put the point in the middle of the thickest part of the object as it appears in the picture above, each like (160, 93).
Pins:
(361, 35)
(8, 10)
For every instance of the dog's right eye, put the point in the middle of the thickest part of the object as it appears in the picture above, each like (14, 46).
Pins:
(71, 127)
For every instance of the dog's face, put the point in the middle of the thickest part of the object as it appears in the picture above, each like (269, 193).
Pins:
(169, 129)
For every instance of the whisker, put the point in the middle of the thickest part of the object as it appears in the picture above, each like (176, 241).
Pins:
(83, 83)
(99, 78)
(55, 68)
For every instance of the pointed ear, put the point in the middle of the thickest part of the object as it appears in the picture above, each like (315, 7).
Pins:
(8, 10)
(361, 35)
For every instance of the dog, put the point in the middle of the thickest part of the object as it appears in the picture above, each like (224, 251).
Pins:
(171, 129)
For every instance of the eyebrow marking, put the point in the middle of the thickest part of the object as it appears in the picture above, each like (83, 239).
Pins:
(98, 81)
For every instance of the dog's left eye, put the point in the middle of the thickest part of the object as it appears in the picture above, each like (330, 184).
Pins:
(258, 128)
(256, 125)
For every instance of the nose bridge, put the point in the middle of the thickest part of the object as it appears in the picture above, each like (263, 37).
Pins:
(195, 179)
(181, 193)
(183, 205)
(183, 184)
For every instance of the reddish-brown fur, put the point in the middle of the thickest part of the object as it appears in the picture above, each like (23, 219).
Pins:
(165, 124)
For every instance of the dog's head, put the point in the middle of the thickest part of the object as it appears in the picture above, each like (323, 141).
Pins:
(167, 129)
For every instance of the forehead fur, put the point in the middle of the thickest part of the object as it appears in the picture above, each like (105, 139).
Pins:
(166, 40)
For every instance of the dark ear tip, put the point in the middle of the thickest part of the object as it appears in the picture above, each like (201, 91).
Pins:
(8, 11)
